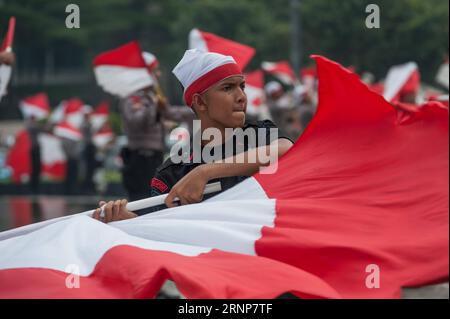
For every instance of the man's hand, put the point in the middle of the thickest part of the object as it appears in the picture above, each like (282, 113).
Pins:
(114, 211)
(7, 58)
(190, 188)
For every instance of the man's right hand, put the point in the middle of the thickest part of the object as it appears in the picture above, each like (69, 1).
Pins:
(113, 211)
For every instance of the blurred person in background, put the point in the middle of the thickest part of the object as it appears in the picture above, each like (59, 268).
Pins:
(88, 154)
(142, 115)
(34, 130)
(72, 152)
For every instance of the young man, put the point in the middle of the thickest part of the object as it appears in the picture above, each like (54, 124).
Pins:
(214, 87)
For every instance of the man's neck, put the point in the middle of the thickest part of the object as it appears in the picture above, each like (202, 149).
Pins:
(207, 125)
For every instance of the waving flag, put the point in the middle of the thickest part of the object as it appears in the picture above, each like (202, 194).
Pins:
(66, 130)
(53, 160)
(401, 79)
(36, 105)
(103, 137)
(100, 115)
(281, 70)
(5, 70)
(74, 111)
(122, 71)
(365, 187)
(210, 42)
(256, 98)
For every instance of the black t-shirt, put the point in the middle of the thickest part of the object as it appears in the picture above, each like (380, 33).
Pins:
(169, 173)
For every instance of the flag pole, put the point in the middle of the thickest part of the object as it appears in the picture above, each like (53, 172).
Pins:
(132, 206)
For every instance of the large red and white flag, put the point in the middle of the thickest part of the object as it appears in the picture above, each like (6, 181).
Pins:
(210, 42)
(5, 70)
(281, 70)
(122, 71)
(401, 79)
(37, 106)
(347, 214)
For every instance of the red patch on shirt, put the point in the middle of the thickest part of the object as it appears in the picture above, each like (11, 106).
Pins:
(159, 185)
(135, 99)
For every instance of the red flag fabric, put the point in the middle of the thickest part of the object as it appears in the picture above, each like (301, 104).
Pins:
(282, 70)
(127, 55)
(210, 42)
(400, 80)
(5, 70)
(9, 37)
(36, 105)
(53, 161)
(100, 115)
(358, 208)
(254, 88)
(66, 130)
(378, 198)
(103, 137)
(122, 71)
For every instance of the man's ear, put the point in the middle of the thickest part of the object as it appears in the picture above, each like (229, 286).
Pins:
(198, 101)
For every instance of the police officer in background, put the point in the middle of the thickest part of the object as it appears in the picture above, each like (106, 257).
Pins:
(142, 116)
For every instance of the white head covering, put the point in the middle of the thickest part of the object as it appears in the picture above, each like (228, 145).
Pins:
(198, 71)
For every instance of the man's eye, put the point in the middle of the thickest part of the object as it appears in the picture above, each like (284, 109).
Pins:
(243, 86)
(227, 88)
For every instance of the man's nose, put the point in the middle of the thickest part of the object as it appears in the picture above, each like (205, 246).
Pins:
(241, 96)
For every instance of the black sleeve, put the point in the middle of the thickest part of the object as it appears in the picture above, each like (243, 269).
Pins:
(158, 186)
(268, 125)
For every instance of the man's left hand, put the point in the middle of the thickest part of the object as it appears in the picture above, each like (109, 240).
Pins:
(190, 188)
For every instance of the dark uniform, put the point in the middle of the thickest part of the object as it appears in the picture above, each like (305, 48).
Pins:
(169, 173)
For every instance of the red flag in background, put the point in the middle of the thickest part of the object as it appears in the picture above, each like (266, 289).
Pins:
(36, 105)
(281, 70)
(74, 110)
(254, 88)
(122, 71)
(210, 42)
(401, 80)
(53, 160)
(100, 115)
(9, 37)
(66, 130)
(5, 70)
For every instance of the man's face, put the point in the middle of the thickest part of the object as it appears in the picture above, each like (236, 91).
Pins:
(227, 102)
